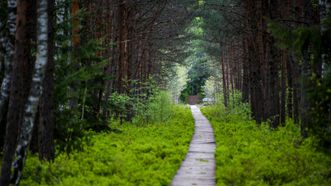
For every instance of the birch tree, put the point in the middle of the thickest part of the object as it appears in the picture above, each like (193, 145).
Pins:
(46, 106)
(35, 92)
(18, 88)
(325, 7)
(7, 43)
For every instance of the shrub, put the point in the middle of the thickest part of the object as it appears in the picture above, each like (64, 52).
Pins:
(158, 109)
(140, 155)
(119, 104)
(247, 154)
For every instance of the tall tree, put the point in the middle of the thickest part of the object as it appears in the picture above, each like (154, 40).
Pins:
(306, 72)
(20, 83)
(31, 105)
(7, 40)
(46, 127)
(274, 60)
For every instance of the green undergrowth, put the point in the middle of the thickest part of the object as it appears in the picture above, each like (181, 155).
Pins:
(147, 154)
(247, 154)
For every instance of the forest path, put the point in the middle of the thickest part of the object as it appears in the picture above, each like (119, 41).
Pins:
(198, 168)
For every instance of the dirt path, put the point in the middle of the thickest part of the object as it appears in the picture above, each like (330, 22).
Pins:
(198, 168)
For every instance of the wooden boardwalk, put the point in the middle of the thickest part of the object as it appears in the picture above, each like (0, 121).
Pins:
(198, 168)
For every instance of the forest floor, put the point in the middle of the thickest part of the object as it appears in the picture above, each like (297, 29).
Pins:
(248, 154)
(151, 154)
(199, 166)
(147, 154)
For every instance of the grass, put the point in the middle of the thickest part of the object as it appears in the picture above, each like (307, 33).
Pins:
(247, 154)
(140, 155)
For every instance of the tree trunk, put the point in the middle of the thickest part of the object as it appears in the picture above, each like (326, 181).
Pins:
(306, 72)
(274, 61)
(283, 88)
(46, 117)
(225, 89)
(273, 114)
(75, 42)
(35, 92)
(19, 87)
(325, 8)
(7, 44)
(305, 103)
(108, 88)
(255, 64)
(245, 80)
(290, 95)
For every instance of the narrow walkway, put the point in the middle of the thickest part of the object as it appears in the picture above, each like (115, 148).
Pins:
(198, 168)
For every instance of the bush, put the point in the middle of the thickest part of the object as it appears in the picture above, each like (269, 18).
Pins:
(237, 110)
(139, 155)
(250, 155)
(158, 109)
(119, 104)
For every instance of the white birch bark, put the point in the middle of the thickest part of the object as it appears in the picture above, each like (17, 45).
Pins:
(12, 5)
(325, 8)
(35, 92)
(8, 44)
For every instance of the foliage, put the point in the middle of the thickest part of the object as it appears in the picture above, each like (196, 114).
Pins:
(150, 107)
(71, 121)
(77, 73)
(119, 104)
(250, 155)
(235, 105)
(69, 135)
(212, 87)
(195, 27)
(139, 155)
(320, 107)
(157, 109)
(197, 76)
(236, 109)
(297, 39)
(309, 41)
(178, 82)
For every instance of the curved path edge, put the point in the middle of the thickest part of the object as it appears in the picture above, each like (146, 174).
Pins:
(198, 168)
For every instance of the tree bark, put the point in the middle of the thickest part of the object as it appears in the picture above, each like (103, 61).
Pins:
(253, 10)
(274, 61)
(283, 87)
(325, 9)
(225, 89)
(7, 44)
(306, 72)
(46, 117)
(75, 42)
(245, 80)
(290, 90)
(35, 92)
(19, 86)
